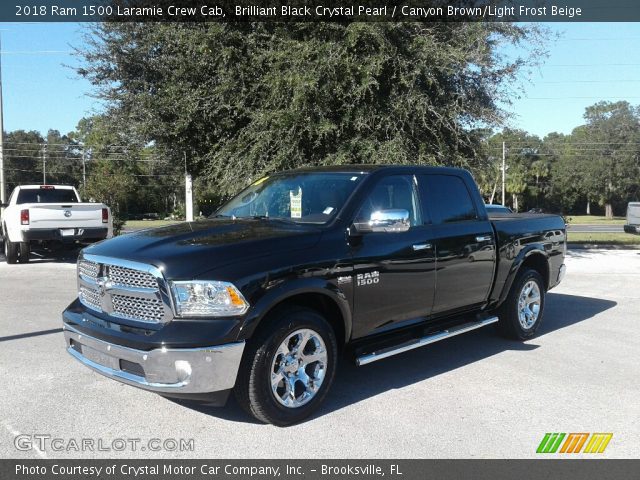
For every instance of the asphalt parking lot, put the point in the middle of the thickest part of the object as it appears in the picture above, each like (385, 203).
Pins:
(475, 395)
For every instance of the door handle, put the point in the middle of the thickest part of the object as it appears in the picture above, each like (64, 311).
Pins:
(484, 238)
(421, 246)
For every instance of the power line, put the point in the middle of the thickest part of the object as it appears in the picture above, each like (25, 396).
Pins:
(592, 65)
(578, 98)
(589, 81)
(596, 39)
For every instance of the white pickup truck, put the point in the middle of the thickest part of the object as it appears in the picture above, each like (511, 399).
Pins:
(44, 214)
(633, 218)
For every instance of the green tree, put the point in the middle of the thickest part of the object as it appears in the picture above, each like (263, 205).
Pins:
(611, 155)
(112, 186)
(111, 154)
(599, 163)
(243, 99)
(110, 165)
(527, 170)
(22, 158)
(63, 160)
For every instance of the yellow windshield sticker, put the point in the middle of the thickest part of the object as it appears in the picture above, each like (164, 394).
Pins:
(296, 203)
(258, 182)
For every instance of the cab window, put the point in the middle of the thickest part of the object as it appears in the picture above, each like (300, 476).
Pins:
(447, 199)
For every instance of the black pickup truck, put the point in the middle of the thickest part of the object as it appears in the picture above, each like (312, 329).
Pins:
(304, 267)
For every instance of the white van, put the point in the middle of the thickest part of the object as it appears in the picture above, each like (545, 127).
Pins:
(633, 218)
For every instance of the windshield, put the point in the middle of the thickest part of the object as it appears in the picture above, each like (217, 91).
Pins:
(46, 195)
(298, 197)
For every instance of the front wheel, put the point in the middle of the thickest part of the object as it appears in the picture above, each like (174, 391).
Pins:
(288, 367)
(521, 314)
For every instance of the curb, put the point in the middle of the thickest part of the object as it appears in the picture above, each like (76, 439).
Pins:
(600, 246)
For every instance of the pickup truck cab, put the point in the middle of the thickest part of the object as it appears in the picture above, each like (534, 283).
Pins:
(260, 299)
(50, 213)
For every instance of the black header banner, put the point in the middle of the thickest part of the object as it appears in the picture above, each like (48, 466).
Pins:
(582, 469)
(320, 11)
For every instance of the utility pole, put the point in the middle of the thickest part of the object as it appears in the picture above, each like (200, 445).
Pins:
(2, 187)
(44, 164)
(188, 192)
(504, 169)
(84, 170)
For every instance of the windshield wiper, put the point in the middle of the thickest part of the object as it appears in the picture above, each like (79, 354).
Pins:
(253, 217)
(267, 217)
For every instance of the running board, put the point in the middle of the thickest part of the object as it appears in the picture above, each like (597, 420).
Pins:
(421, 342)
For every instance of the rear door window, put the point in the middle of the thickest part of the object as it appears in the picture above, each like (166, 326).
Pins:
(446, 198)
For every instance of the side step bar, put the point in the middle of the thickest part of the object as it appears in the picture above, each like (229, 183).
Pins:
(421, 342)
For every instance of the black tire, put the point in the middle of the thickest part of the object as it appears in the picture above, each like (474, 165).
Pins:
(253, 389)
(10, 251)
(510, 324)
(25, 252)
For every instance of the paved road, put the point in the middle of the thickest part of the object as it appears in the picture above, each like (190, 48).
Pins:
(475, 395)
(596, 228)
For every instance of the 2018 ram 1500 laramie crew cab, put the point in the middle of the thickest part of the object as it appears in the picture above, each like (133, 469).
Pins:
(301, 265)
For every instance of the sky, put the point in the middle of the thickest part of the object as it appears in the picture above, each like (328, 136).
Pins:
(588, 63)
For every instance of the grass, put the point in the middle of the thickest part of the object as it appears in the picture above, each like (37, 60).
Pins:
(602, 238)
(595, 220)
(137, 224)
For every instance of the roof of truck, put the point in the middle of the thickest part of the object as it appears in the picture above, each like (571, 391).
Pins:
(63, 187)
(367, 168)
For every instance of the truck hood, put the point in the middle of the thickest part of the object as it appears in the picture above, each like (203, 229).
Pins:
(186, 250)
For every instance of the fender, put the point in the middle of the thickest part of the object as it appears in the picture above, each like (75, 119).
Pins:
(12, 232)
(526, 252)
(289, 289)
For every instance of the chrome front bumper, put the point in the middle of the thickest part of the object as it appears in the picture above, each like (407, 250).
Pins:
(187, 370)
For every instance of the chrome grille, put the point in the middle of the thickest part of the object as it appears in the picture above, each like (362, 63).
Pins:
(90, 298)
(147, 309)
(89, 269)
(124, 289)
(128, 277)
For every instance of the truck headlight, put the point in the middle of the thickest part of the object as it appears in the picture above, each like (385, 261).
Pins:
(207, 298)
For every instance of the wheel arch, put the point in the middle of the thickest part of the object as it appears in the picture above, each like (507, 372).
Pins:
(533, 257)
(539, 262)
(325, 299)
(11, 232)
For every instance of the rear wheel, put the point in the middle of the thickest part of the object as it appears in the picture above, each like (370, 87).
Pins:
(25, 251)
(288, 367)
(10, 251)
(521, 313)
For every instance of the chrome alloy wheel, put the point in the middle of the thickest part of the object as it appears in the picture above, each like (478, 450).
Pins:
(298, 368)
(529, 305)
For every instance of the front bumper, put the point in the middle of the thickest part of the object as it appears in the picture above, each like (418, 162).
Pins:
(166, 371)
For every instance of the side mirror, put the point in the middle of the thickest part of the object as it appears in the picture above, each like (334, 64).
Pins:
(391, 220)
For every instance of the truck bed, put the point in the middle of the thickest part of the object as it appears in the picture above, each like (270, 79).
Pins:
(517, 233)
